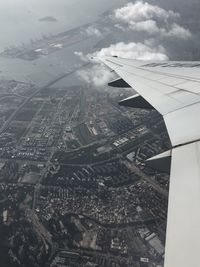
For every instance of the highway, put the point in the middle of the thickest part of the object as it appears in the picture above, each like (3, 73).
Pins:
(137, 171)
(7, 123)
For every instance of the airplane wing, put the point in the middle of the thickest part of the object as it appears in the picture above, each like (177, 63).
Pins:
(173, 89)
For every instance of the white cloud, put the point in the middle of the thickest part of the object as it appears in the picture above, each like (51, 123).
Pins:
(134, 51)
(92, 31)
(156, 22)
(99, 75)
(81, 56)
(149, 26)
(152, 19)
(141, 11)
(178, 31)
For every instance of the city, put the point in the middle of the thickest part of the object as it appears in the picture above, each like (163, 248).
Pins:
(73, 180)
(76, 189)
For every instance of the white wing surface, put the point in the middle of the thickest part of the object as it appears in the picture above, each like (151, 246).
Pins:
(173, 89)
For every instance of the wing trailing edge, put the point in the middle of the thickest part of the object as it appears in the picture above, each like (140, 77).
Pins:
(173, 89)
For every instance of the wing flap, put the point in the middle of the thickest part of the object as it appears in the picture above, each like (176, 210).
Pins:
(151, 94)
(173, 88)
(183, 227)
(135, 101)
(183, 126)
(156, 84)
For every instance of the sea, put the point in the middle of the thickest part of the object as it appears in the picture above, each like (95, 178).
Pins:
(24, 20)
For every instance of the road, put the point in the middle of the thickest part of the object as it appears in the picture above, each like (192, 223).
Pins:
(137, 171)
(11, 95)
(7, 123)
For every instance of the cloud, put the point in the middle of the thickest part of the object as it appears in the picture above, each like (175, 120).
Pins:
(98, 75)
(92, 31)
(149, 26)
(81, 56)
(178, 31)
(133, 50)
(152, 19)
(141, 11)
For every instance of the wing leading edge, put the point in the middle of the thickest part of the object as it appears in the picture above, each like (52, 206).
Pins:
(173, 89)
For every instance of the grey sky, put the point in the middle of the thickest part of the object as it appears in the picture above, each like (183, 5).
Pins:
(19, 19)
